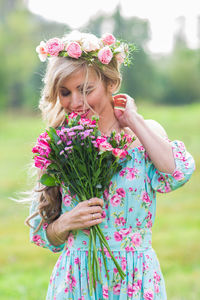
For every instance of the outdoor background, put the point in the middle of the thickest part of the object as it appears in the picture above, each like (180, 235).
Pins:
(166, 87)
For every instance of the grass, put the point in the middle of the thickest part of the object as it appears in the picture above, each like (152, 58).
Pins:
(25, 269)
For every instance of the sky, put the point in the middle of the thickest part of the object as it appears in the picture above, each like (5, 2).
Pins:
(163, 16)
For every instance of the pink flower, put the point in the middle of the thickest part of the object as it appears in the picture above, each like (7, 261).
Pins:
(90, 43)
(41, 162)
(115, 200)
(119, 153)
(121, 192)
(41, 50)
(67, 200)
(156, 288)
(106, 194)
(178, 175)
(105, 146)
(105, 292)
(42, 146)
(117, 236)
(125, 231)
(108, 39)
(70, 240)
(116, 289)
(148, 295)
(130, 291)
(105, 55)
(74, 50)
(136, 239)
(120, 57)
(77, 260)
(36, 238)
(145, 197)
(54, 46)
(123, 263)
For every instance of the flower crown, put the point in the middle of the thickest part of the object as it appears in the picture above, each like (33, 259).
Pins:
(87, 46)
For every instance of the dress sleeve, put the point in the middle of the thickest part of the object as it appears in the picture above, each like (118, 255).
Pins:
(40, 237)
(185, 166)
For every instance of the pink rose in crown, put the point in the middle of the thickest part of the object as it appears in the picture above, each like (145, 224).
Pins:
(108, 39)
(178, 175)
(105, 55)
(120, 57)
(74, 50)
(41, 50)
(54, 46)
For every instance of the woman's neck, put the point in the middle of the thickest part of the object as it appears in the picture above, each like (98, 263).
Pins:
(108, 122)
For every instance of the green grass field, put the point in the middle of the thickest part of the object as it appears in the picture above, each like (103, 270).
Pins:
(25, 269)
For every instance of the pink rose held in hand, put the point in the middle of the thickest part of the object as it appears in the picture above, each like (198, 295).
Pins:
(54, 46)
(105, 55)
(74, 50)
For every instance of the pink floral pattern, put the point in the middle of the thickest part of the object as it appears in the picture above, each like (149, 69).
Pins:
(129, 213)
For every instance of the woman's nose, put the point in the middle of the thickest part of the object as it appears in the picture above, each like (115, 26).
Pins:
(76, 101)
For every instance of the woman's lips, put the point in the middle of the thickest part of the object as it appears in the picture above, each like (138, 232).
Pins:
(85, 114)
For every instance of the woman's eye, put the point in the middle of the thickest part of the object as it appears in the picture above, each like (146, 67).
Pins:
(64, 93)
(87, 91)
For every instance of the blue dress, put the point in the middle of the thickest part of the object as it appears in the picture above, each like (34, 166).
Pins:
(129, 213)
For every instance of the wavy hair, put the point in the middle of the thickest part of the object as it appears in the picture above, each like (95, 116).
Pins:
(58, 69)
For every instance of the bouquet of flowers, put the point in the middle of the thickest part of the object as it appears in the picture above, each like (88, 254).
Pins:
(77, 157)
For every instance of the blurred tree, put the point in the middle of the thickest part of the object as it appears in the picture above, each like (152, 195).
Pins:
(138, 78)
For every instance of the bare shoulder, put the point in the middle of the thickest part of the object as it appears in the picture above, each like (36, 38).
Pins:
(155, 126)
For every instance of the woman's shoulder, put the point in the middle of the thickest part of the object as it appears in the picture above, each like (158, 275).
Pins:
(154, 125)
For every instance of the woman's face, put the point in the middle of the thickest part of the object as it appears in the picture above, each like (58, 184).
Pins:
(97, 96)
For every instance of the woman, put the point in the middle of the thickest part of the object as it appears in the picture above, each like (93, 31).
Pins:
(82, 76)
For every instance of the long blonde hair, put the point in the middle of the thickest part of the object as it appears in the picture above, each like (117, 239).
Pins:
(58, 69)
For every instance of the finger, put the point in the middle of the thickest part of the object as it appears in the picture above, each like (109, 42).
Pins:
(95, 209)
(95, 201)
(95, 216)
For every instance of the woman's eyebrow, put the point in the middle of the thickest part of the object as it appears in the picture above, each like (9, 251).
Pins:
(79, 86)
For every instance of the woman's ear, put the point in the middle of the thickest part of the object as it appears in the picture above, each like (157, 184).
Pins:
(111, 87)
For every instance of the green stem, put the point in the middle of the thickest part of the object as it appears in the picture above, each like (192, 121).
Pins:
(95, 254)
(101, 236)
(104, 259)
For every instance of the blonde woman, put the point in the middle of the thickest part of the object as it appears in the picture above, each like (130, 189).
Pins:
(82, 76)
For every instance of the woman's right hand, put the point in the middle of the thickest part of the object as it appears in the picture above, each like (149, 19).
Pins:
(84, 215)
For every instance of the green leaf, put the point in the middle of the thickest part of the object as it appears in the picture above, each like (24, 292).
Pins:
(47, 180)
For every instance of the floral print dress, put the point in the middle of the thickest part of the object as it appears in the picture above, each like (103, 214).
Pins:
(129, 213)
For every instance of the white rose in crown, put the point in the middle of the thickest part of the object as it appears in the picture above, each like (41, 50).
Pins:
(90, 43)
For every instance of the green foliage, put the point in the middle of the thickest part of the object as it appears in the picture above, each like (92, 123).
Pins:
(25, 269)
(173, 78)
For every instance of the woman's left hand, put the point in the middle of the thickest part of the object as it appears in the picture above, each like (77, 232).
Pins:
(128, 110)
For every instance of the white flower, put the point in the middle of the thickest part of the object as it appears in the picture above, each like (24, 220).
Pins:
(74, 36)
(90, 43)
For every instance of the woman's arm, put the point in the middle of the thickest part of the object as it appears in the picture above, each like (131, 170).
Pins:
(153, 140)
(151, 135)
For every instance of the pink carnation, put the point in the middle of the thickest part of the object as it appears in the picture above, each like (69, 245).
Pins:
(105, 55)
(74, 50)
(119, 153)
(54, 46)
(105, 146)
(41, 162)
(108, 39)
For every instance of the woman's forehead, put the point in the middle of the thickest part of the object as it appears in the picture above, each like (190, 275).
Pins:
(79, 77)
